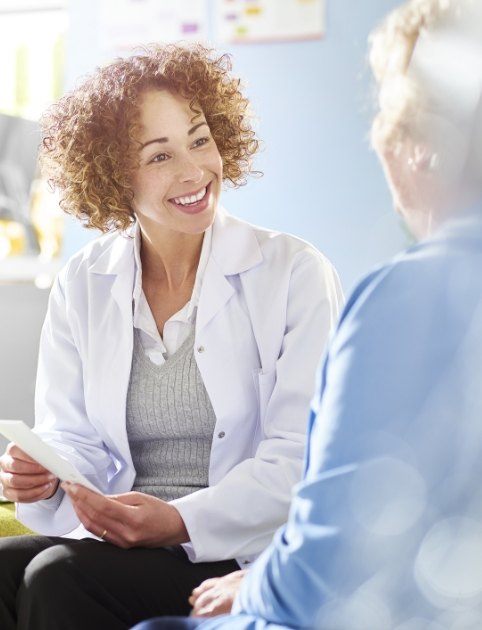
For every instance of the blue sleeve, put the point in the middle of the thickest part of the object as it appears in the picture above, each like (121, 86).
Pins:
(366, 487)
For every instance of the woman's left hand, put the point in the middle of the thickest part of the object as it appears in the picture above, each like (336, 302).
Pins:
(128, 520)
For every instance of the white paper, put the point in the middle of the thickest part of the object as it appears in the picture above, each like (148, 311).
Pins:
(240, 21)
(18, 432)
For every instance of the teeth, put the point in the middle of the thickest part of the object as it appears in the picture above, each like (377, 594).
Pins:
(184, 201)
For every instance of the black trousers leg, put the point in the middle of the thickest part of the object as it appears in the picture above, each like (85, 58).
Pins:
(15, 554)
(90, 585)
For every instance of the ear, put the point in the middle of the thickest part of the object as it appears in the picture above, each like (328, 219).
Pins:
(423, 158)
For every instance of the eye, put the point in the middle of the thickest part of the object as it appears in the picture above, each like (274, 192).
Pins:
(160, 157)
(201, 141)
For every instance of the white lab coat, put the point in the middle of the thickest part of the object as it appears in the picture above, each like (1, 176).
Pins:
(267, 305)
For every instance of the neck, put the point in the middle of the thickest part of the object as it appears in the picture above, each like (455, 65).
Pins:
(424, 222)
(169, 257)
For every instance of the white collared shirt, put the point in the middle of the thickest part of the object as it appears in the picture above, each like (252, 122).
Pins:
(178, 326)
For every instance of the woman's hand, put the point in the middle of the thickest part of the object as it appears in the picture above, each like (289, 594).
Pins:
(128, 520)
(23, 479)
(216, 596)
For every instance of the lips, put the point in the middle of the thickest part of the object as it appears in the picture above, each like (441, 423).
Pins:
(198, 203)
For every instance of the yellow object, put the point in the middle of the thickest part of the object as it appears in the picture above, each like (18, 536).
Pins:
(9, 526)
(253, 10)
(47, 219)
(12, 239)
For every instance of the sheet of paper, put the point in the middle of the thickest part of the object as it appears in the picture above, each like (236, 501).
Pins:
(18, 432)
(247, 21)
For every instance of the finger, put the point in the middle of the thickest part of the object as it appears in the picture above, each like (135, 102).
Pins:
(97, 521)
(206, 599)
(207, 584)
(97, 505)
(129, 498)
(14, 465)
(210, 610)
(219, 606)
(25, 482)
(85, 496)
(31, 495)
(115, 531)
(16, 452)
(100, 520)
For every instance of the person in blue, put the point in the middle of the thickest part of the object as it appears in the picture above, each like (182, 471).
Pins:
(385, 530)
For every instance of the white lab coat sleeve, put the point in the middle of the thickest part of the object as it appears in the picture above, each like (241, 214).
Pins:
(61, 419)
(237, 517)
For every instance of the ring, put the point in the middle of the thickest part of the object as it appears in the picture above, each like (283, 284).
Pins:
(103, 534)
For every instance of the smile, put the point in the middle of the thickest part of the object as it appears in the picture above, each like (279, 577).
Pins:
(193, 202)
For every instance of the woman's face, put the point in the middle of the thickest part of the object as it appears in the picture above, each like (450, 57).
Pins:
(177, 184)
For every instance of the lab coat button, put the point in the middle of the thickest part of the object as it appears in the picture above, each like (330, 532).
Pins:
(221, 434)
(200, 349)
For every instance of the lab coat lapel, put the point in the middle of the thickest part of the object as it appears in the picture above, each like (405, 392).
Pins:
(234, 249)
(114, 280)
(215, 293)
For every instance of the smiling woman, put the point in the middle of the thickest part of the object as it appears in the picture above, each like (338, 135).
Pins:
(100, 126)
(177, 357)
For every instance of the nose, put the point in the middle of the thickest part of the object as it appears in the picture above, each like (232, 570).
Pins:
(189, 171)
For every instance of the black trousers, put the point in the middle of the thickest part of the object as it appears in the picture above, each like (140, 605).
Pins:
(59, 583)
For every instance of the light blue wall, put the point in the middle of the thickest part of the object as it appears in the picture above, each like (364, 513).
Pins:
(314, 102)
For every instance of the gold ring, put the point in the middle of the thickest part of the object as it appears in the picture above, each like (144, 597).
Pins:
(103, 534)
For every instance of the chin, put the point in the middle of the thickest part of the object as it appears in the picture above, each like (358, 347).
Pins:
(197, 224)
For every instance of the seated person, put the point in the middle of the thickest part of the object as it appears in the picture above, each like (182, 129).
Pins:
(177, 357)
(384, 532)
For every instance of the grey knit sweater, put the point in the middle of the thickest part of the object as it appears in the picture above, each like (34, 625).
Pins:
(170, 423)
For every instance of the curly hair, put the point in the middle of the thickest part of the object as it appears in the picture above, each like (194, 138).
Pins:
(89, 148)
(391, 48)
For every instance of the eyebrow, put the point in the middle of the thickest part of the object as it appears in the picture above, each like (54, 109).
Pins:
(166, 139)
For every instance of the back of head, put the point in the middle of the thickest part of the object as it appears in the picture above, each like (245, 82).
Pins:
(427, 58)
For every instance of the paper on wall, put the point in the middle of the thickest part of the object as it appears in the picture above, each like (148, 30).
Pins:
(248, 21)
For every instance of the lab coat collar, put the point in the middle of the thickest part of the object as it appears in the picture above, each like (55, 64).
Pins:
(234, 248)
(114, 259)
(234, 244)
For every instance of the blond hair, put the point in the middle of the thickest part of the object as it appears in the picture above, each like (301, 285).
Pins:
(391, 48)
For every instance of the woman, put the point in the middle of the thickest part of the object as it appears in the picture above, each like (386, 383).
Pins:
(176, 358)
(384, 531)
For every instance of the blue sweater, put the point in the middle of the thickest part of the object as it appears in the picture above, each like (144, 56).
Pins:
(386, 526)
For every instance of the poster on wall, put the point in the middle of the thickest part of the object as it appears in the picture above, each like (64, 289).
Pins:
(127, 24)
(252, 21)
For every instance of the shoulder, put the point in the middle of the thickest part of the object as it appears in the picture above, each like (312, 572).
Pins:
(273, 242)
(430, 288)
(282, 251)
(102, 253)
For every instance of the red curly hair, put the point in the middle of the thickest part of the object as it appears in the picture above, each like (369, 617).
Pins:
(89, 149)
